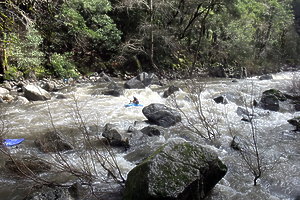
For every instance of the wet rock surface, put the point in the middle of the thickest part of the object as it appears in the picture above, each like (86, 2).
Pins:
(36, 93)
(161, 115)
(52, 142)
(26, 165)
(178, 170)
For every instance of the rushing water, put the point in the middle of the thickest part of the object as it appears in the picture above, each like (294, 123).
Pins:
(279, 145)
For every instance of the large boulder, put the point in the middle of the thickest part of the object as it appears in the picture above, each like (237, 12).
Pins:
(3, 91)
(218, 71)
(148, 79)
(134, 83)
(177, 171)
(36, 93)
(161, 115)
(114, 136)
(270, 99)
(113, 89)
(7, 85)
(142, 80)
(104, 78)
(50, 86)
(269, 102)
(281, 96)
(53, 142)
(8, 98)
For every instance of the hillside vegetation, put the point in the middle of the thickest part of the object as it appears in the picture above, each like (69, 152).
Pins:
(67, 38)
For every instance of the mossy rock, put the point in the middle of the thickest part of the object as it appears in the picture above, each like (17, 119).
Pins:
(177, 170)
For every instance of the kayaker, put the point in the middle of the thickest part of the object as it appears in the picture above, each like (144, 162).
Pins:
(135, 100)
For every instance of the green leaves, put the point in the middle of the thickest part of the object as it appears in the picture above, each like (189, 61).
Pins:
(88, 19)
(63, 65)
(24, 54)
(249, 32)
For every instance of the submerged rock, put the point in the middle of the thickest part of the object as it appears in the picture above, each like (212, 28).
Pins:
(53, 142)
(142, 80)
(242, 111)
(295, 122)
(151, 131)
(161, 115)
(266, 77)
(295, 98)
(178, 170)
(62, 96)
(221, 99)
(171, 90)
(235, 145)
(55, 193)
(27, 165)
(297, 106)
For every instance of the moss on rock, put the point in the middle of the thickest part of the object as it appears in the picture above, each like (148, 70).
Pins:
(177, 170)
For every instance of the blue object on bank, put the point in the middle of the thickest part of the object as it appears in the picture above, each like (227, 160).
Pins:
(12, 142)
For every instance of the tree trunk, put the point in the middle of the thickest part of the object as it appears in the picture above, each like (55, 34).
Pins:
(2, 64)
(152, 37)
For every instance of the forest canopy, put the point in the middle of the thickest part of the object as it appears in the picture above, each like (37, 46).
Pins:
(66, 38)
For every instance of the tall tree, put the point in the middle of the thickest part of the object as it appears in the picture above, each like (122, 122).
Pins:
(13, 18)
(94, 34)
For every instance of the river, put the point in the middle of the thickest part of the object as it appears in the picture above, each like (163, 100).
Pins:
(278, 143)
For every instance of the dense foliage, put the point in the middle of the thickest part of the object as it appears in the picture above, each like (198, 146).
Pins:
(224, 37)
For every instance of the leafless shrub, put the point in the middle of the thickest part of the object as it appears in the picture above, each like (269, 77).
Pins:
(92, 163)
(197, 118)
(89, 162)
(249, 146)
(3, 124)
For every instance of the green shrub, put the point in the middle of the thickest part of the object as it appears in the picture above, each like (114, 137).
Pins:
(12, 73)
(24, 55)
(63, 66)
